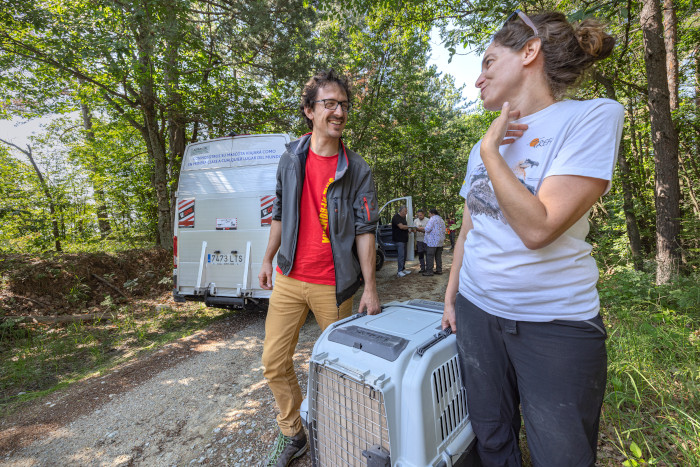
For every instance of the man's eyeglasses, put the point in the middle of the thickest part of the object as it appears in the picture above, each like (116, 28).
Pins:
(523, 17)
(332, 104)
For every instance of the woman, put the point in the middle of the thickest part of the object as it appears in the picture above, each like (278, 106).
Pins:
(435, 240)
(521, 295)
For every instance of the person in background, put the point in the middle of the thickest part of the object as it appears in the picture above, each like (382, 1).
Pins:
(419, 223)
(434, 239)
(522, 290)
(323, 255)
(451, 232)
(399, 234)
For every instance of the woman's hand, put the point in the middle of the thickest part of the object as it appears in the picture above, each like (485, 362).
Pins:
(503, 130)
(560, 201)
(448, 318)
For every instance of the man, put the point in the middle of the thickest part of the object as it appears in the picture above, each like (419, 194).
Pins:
(420, 222)
(323, 225)
(435, 239)
(399, 234)
(451, 231)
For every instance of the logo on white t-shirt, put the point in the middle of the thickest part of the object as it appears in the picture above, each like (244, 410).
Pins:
(541, 142)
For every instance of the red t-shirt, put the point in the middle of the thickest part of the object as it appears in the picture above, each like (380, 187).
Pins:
(313, 261)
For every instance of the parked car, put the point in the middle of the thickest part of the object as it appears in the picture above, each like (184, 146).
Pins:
(381, 257)
(384, 240)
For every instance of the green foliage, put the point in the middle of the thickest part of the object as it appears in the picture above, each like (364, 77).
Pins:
(24, 221)
(175, 71)
(146, 70)
(653, 397)
(36, 359)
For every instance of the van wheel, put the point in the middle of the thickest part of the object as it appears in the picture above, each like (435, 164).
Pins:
(380, 259)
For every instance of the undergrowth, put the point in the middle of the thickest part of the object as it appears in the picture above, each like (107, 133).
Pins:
(652, 403)
(651, 412)
(36, 359)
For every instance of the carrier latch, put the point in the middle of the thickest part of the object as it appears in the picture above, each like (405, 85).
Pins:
(377, 456)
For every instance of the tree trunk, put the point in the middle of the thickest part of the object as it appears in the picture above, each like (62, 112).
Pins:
(160, 175)
(175, 116)
(665, 142)
(697, 78)
(47, 193)
(100, 207)
(670, 39)
(628, 208)
(627, 189)
(697, 106)
(156, 146)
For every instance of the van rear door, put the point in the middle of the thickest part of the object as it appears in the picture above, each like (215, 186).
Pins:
(226, 191)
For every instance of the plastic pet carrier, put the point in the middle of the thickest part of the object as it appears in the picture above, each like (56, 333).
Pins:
(386, 390)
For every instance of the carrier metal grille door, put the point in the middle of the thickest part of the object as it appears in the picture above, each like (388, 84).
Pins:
(450, 398)
(349, 417)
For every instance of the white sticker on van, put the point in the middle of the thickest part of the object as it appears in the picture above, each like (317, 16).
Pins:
(200, 150)
(185, 214)
(227, 223)
(237, 158)
(266, 210)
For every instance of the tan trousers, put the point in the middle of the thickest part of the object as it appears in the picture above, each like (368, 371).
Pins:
(290, 302)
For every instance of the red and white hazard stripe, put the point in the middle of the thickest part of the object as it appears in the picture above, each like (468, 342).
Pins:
(266, 209)
(185, 213)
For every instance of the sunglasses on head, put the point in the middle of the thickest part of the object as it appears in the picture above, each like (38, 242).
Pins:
(523, 17)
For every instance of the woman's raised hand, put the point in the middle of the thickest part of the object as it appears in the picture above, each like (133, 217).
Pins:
(503, 130)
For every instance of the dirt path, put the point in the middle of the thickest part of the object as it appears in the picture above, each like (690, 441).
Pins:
(200, 401)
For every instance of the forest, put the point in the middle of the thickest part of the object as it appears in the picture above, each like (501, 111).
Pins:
(130, 83)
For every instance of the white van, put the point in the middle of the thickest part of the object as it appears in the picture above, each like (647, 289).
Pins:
(223, 217)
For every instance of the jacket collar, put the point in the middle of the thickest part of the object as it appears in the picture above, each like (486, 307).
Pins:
(301, 147)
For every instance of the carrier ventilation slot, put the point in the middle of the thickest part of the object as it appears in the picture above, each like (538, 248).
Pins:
(349, 418)
(450, 398)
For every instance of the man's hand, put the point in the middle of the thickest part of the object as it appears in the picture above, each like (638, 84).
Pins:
(265, 276)
(367, 256)
(273, 244)
(370, 302)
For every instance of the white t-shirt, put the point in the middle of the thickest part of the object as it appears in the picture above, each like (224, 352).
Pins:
(502, 276)
(420, 223)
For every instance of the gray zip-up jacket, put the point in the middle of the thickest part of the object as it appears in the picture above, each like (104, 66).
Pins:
(352, 210)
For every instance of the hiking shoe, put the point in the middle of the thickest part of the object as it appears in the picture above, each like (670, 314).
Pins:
(286, 449)
(406, 272)
(400, 274)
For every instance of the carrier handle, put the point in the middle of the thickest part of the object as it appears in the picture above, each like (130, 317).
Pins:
(352, 318)
(435, 339)
(348, 319)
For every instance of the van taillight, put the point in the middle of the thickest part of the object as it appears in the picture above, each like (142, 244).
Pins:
(175, 251)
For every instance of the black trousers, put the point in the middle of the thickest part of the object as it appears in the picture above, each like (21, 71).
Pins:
(555, 371)
(421, 248)
(434, 252)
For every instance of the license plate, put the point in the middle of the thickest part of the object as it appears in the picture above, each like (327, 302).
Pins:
(224, 259)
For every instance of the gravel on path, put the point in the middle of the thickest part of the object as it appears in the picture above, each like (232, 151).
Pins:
(208, 405)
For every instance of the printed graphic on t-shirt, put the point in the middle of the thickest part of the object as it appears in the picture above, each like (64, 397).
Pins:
(520, 171)
(541, 142)
(481, 200)
(323, 214)
(313, 259)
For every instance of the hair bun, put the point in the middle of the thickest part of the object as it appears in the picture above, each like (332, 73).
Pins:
(593, 39)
